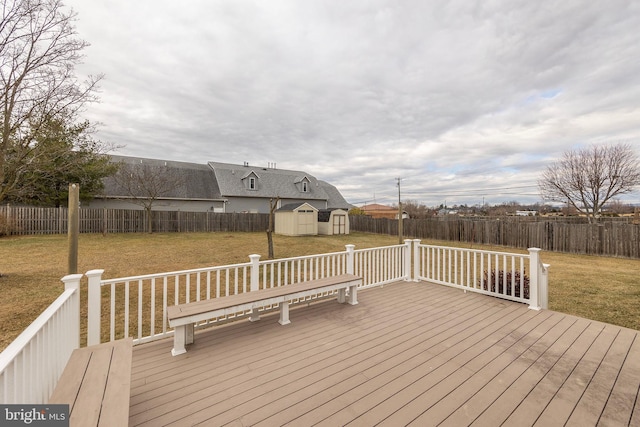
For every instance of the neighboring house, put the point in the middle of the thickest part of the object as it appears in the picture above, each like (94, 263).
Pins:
(447, 211)
(297, 219)
(381, 211)
(526, 213)
(224, 187)
(249, 188)
(190, 187)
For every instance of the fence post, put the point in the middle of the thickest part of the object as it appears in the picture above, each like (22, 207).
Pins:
(534, 279)
(72, 281)
(350, 259)
(93, 306)
(416, 260)
(406, 274)
(73, 229)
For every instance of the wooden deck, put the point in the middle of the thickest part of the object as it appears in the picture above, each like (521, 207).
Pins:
(407, 354)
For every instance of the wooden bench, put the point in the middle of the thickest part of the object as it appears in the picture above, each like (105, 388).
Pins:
(96, 383)
(183, 317)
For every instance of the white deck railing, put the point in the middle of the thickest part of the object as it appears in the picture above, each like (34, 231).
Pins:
(516, 277)
(31, 365)
(137, 306)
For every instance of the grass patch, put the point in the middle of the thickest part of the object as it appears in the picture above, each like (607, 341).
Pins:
(32, 266)
(599, 288)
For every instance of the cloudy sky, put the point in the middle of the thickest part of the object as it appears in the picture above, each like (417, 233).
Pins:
(465, 101)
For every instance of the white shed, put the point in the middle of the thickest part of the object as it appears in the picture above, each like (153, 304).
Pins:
(297, 219)
(333, 221)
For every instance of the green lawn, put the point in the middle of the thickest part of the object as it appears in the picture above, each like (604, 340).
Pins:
(605, 289)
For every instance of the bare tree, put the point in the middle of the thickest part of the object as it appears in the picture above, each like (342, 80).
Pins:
(273, 205)
(588, 178)
(38, 52)
(145, 183)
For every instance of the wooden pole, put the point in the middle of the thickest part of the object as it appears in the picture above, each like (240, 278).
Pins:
(73, 227)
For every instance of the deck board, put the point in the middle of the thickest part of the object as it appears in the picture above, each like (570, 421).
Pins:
(408, 353)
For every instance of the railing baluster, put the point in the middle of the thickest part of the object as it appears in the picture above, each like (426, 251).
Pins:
(112, 314)
(126, 309)
(153, 307)
(208, 284)
(218, 283)
(165, 286)
(140, 326)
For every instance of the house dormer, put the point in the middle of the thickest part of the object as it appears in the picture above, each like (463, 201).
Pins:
(303, 184)
(250, 181)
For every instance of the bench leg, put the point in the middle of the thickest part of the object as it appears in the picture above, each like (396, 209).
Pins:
(179, 340)
(255, 315)
(188, 339)
(284, 313)
(342, 295)
(353, 295)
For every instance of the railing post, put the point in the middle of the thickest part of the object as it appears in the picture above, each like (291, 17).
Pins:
(416, 260)
(254, 284)
(72, 281)
(544, 288)
(255, 272)
(94, 306)
(406, 274)
(534, 278)
(350, 259)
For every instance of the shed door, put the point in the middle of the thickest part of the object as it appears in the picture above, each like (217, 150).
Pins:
(305, 222)
(339, 224)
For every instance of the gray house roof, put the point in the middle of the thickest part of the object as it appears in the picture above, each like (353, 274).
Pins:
(271, 182)
(192, 181)
(335, 198)
(219, 181)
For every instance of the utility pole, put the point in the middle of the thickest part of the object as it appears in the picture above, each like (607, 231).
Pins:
(399, 214)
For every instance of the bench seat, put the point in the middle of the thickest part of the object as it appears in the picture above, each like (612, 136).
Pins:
(183, 317)
(96, 384)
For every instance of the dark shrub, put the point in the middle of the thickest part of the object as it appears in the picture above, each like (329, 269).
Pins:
(498, 281)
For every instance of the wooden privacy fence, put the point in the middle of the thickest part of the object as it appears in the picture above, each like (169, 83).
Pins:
(611, 238)
(36, 220)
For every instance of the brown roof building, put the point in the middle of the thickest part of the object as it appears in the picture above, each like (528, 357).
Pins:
(376, 210)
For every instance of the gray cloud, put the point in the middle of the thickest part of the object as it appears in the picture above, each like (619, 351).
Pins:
(453, 96)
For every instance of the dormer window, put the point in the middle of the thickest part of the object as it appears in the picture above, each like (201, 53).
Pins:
(302, 184)
(250, 181)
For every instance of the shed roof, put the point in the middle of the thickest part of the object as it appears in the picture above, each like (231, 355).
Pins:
(290, 207)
